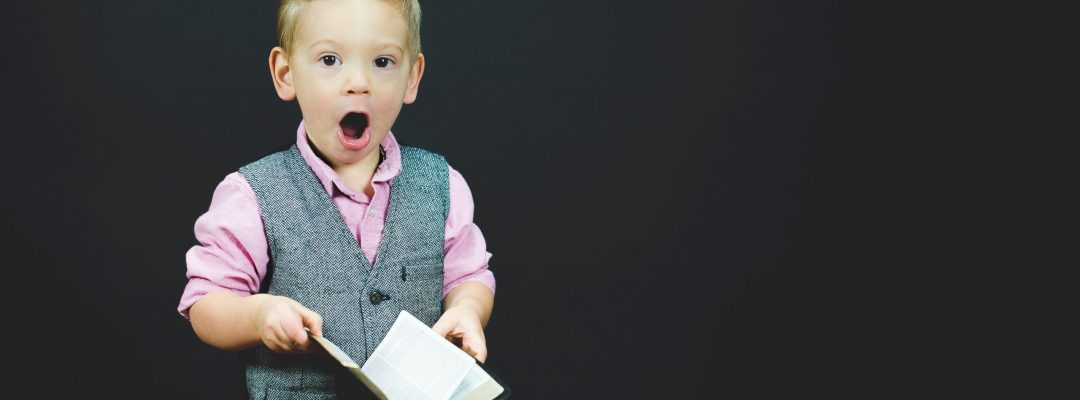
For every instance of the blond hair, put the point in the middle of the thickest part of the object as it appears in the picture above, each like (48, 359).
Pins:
(290, 11)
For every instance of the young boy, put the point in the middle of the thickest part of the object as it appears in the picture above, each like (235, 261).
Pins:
(340, 232)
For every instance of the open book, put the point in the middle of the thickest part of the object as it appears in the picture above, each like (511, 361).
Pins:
(414, 362)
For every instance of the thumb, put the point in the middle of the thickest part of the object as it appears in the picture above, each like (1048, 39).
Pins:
(475, 345)
(443, 325)
(311, 320)
(293, 327)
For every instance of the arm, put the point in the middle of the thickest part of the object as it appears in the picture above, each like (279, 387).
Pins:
(231, 322)
(468, 307)
(469, 291)
(225, 271)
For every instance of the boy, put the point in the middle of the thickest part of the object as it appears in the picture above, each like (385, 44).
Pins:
(343, 230)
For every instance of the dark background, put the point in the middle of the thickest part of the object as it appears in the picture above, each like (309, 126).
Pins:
(766, 199)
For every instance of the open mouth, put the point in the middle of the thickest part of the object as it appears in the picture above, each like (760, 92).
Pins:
(354, 124)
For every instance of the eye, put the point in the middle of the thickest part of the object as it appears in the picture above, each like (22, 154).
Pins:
(383, 62)
(329, 60)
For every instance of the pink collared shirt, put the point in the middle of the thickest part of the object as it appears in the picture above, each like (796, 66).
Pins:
(233, 253)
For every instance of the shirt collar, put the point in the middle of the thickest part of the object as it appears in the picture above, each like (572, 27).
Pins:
(386, 171)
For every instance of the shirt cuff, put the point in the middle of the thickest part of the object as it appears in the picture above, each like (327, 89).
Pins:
(197, 288)
(482, 275)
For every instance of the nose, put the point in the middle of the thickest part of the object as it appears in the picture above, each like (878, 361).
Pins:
(357, 82)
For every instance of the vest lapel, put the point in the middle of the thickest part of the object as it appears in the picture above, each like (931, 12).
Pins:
(328, 222)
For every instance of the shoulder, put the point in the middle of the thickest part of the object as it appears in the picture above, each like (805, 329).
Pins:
(458, 187)
(460, 197)
(233, 205)
(234, 187)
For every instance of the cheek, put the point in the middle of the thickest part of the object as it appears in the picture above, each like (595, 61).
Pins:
(315, 90)
(315, 105)
(388, 107)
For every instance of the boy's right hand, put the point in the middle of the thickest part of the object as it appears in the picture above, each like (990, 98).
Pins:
(280, 323)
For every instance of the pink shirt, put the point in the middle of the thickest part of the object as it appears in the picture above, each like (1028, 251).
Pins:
(233, 252)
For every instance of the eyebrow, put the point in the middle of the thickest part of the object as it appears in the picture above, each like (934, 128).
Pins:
(335, 44)
(389, 44)
(325, 41)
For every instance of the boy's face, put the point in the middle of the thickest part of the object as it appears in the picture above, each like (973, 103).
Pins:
(350, 72)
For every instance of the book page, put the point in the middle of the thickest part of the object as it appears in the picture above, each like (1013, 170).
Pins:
(414, 362)
(348, 362)
(477, 385)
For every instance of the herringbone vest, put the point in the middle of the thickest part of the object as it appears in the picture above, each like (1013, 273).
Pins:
(316, 261)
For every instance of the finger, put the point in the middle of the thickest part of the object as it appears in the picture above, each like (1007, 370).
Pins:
(298, 337)
(475, 345)
(284, 346)
(280, 341)
(443, 325)
(289, 332)
(312, 320)
(273, 334)
(274, 343)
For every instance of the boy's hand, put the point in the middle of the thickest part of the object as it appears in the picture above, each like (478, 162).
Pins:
(280, 323)
(461, 325)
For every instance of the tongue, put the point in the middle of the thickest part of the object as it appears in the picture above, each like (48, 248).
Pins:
(350, 131)
(353, 125)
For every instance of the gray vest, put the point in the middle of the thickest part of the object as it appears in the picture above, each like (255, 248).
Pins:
(316, 261)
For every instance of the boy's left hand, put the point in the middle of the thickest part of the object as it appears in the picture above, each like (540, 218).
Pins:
(462, 326)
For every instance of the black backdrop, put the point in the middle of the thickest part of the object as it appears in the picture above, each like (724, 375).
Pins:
(740, 199)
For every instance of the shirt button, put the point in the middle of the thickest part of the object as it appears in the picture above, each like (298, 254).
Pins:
(377, 297)
(371, 212)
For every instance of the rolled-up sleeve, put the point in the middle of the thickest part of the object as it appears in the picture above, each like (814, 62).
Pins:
(465, 255)
(232, 252)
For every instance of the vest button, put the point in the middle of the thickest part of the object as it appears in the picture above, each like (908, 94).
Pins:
(377, 297)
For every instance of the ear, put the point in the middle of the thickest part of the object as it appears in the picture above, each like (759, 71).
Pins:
(279, 70)
(415, 73)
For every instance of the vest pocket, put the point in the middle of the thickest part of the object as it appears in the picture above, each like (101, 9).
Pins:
(421, 291)
(299, 394)
(416, 273)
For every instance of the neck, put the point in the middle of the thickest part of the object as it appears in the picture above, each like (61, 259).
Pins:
(357, 176)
